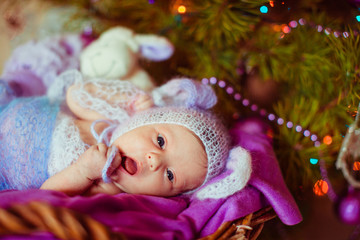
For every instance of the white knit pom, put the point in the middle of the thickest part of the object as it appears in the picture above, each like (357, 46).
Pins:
(240, 162)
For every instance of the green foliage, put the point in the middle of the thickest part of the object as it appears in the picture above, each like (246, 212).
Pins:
(223, 23)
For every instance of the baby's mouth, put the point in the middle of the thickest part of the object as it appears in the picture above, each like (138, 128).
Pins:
(129, 165)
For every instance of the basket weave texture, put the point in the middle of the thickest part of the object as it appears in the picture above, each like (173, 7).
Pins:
(36, 217)
(248, 227)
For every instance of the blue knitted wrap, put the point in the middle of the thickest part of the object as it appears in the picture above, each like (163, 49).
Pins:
(26, 127)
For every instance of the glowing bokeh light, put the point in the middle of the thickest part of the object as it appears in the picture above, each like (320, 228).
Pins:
(320, 188)
(271, 117)
(254, 107)
(213, 80)
(313, 137)
(286, 29)
(264, 9)
(280, 121)
(358, 18)
(271, 3)
(222, 84)
(314, 161)
(230, 90)
(307, 133)
(327, 140)
(356, 166)
(181, 9)
(246, 102)
(298, 128)
(293, 24)
(205, 81)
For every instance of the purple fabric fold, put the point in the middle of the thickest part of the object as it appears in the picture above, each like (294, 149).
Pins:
(266, 177)
(149, 217)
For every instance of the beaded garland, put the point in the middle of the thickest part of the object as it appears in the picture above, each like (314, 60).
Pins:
(270, 116)
(328, 31)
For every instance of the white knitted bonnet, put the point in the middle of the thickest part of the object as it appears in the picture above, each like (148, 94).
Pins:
(205, 125)
(185, 102)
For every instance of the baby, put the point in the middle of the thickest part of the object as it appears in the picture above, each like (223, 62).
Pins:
(167, 143)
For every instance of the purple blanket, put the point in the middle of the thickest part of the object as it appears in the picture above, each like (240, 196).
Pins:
(148, 217)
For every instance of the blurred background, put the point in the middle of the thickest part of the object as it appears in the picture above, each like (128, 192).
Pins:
(294, 64)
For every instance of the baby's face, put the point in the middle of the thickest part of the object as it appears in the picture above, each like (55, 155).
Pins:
(161, 160)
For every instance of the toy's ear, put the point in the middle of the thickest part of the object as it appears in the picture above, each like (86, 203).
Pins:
(154, 47)
(120, 34)
(239, 162)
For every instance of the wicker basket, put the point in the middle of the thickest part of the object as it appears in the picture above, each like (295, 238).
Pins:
(245, 228)
(36, 217)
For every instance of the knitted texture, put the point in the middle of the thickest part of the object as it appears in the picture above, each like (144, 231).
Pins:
(205, 125)
(184, 92)
(112, 99)
(6, 93)
(239, 164)
(66, 145)
(57, 90)
(25, 133)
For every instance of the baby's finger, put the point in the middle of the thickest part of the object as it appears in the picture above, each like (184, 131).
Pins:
(102, 147)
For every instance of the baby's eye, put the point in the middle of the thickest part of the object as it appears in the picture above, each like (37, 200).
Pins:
(160, 141)
(170, 175)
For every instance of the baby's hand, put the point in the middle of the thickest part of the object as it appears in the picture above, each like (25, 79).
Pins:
(93, 160)
(142, 102)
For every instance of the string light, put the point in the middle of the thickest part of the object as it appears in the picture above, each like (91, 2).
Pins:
(314, 161)
(293, 24)
(321, 187)
(264, 9)
(327, 140)
(286, 28)
(181, 9)
(356, 166)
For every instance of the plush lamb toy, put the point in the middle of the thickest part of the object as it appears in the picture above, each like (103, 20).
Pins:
(115, 56)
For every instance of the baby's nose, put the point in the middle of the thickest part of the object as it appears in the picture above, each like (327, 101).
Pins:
(154, 161)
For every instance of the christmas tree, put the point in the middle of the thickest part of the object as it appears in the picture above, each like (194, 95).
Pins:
(294, 64)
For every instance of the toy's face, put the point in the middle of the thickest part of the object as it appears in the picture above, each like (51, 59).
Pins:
(160, 160)
(109, 59)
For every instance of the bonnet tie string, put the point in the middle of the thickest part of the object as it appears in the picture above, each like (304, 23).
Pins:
(104, 138)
